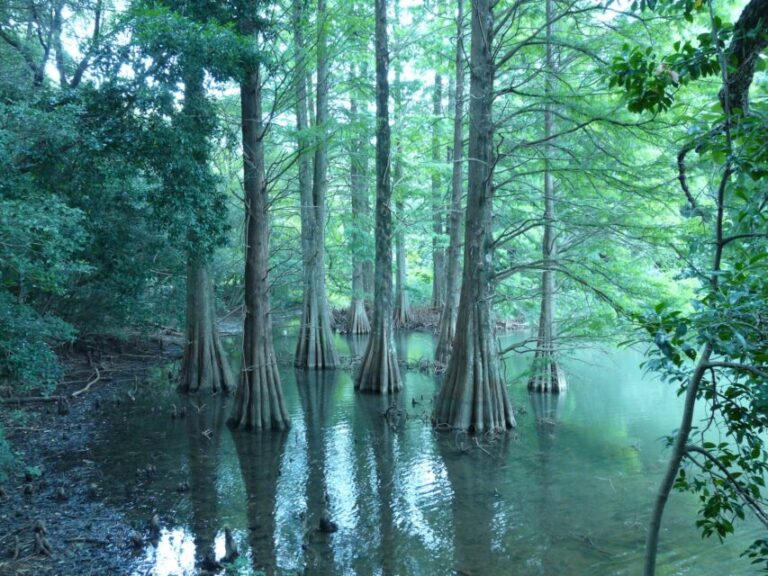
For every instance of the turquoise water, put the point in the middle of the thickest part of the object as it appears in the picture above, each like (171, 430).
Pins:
(568, 492)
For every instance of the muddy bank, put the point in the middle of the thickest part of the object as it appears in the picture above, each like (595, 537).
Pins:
(52, 517)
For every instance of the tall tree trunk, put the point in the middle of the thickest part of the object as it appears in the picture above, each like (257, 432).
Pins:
(402, 305)
(204, 361)
(368, 263)
(358, 317)
(369, 268)
(259, 401)
(315, 348)
(546, 373)
(447, 330)
(379, 371)
(473, 396)
(438, 250)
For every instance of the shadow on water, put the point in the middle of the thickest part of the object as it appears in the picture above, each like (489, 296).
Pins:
(567, 493)
(316, 393)
(480, 511)
(205, 423)
(259, 456)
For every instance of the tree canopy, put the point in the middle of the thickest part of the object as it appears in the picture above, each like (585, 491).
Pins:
(593, 171)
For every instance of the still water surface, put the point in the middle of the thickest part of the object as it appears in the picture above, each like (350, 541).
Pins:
(567, 493)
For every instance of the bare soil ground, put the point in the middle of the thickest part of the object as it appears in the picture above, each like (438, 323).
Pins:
(52, 517)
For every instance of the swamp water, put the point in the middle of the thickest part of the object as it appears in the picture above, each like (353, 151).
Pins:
(568, 492)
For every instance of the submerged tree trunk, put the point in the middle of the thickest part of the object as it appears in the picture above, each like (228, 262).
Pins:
(473, 396)
(259, 401)
(438, 250)
(315, 348)
(546, 373)
(204, 361)
(447, 329)
(379, 371)
(358, 317)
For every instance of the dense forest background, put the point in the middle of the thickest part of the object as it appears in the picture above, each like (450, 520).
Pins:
(593, 171)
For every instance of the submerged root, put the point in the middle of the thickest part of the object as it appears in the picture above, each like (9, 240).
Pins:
(546, 374)
(358, 318)
(379, 372)
(41, 545)
(259, 403)
(464, 443)
(204, 361)
(425, 366)
(394, 415)
(315, 348)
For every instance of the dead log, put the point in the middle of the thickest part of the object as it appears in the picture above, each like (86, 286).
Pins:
(29, 399)
(87, 386)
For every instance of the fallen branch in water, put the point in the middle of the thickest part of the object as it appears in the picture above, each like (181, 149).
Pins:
(29, 399)
(87, 386)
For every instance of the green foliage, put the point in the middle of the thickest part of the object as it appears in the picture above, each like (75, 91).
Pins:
(649, 79)
(40, 238)
(33, 471)
(730, 319)
(175, 39)
(27, 338)
(727, 460)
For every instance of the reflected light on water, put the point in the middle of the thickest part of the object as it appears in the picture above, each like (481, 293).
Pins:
(567, 493)
(173, 556)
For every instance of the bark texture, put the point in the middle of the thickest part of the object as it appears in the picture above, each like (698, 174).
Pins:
(546, 373)
(358, 317)
(379, 372)
(438, 250)
(204, 361)
(259, 401)
(402, 304)
(473, 396)
(447, 328)
(369, 267)
(315, 347)
(748, 41)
